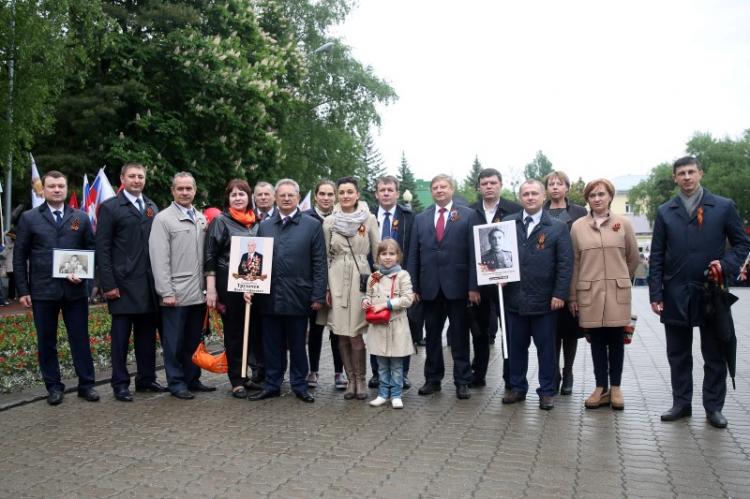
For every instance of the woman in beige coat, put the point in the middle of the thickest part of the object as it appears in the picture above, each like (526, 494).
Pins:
(351, 234)
(605, 256)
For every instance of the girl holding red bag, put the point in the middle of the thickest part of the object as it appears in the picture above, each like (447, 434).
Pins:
(389, 293)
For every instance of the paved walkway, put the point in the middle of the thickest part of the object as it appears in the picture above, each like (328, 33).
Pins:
(438, 446)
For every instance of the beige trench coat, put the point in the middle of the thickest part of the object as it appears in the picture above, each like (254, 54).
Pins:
(392, 339)
(346, 317)
(604, 262)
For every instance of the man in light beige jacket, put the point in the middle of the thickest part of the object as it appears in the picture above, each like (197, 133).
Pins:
(176, 250)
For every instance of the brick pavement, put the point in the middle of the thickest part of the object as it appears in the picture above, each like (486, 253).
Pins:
(217, 446)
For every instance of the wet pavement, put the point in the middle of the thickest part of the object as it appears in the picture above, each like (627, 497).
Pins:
(437, 446)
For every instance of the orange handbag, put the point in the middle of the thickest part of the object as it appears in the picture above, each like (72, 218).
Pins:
(203, 358)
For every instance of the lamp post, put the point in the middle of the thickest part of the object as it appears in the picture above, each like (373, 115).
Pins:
(407, 196)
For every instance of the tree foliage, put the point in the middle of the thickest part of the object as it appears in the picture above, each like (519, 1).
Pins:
(575, 194)
(219, 89)
(371, 167)
(470, 183)
(408, 182)
(649, 194)
(539, 167)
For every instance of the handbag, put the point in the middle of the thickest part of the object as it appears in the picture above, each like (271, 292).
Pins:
(363, 278)
(381, 316)
(204, 359)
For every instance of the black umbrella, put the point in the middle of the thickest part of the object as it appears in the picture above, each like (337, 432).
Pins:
(717, 302)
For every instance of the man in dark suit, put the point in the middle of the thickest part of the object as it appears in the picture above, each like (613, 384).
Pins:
(690, 235)
(299, 278)
(40, 230)
(251, 263)
(442, 267)
(546, 263)
(492, 208)
(124, 225)
(263, 196)
(395, 222)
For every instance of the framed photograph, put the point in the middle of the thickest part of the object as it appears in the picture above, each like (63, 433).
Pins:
(250, 264)
(496, 253)
(78, 262)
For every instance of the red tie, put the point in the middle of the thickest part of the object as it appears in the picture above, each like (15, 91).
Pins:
(440, 227)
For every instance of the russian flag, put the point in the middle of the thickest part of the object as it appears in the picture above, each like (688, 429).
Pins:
(95, 194)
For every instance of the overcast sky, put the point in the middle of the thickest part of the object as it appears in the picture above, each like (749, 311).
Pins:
(602, 89)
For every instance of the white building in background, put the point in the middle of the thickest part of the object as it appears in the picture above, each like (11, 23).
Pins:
(643, 229)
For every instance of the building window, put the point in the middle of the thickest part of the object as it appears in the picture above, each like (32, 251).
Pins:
(628, 208)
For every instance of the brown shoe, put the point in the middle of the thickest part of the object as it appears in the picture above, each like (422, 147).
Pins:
(617, 401)
(598, 398)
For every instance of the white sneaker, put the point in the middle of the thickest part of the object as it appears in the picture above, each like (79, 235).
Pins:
(377, 402)
(397, 403)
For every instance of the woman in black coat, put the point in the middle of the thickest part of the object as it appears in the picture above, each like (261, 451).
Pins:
(237, 219)
(557, 184)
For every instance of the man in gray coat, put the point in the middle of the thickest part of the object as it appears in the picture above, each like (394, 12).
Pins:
(176, 251)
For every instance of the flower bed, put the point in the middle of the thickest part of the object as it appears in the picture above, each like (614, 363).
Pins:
(19, 355)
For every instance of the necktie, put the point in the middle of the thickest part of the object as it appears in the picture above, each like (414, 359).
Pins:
(285, 220)
(58, 216)
(140, 205)
(191, 214)
(386, 233)
(526, 224)
(440, 226)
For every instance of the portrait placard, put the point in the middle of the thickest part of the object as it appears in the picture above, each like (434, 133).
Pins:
(250, 264)
(496, 252)
(77, 262)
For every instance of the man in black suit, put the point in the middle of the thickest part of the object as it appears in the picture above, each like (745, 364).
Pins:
(123, 228)
(40, 230)
(442, 267)
(251, 263)
(263, 195)
(492, 208)
(395, 222)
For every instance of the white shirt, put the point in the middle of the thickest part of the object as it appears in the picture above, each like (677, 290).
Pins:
(134, 199)
(445, 215)
(535, 219)
(61, 209)
(489, 214)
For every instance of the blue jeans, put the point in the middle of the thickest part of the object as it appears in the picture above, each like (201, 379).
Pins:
(391, 373)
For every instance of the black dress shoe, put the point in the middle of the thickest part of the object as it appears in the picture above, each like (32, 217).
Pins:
(462, 392)
(265, 394)
(716, 419)
(55, 397)
(89, 394)
(239, 392)
(478, 383)
(677, 412)
(124, 395)
(546, 403)
(429, 388)
(374, 381)
(305, 397)
(567, 385)
(422, 342)
(407, 383)
(512, 396)
(200, 387)
(183, 395)
(151, 387)
(252, 386)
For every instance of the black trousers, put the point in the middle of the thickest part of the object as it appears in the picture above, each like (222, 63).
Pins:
(680, 356)
(75, 315)
(315, 346)
(436, 312)
(486, 316)
(144, 345)
(181, 333)
(607, 355)
(279, 333)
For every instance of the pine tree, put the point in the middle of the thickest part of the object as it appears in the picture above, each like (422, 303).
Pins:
(471, 182)
(539, 168)
(370, 169)
(408, 183)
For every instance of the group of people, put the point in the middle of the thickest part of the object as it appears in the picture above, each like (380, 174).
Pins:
(377, 277)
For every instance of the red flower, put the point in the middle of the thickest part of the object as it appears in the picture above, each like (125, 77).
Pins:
(540, 242)
(616, 227)
(149, 212)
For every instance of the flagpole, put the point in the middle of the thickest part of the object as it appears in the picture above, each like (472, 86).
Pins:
(11, 63)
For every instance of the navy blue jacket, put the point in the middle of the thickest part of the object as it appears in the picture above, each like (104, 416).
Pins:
(122, 257)
(36, 237)
(546, 265)
(681, 250)
(504, 208)
(448, 265)
(299, 275)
